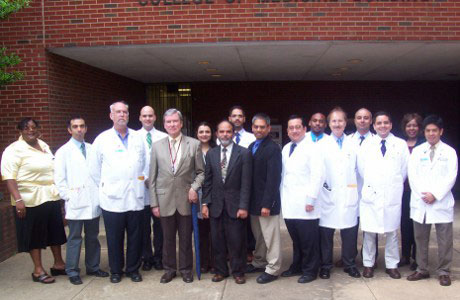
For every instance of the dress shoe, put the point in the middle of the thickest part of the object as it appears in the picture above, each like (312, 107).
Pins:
(368, 272)
(339, 263)
(187, 278)
(290, 273)
(306, 279)
(394, 273)
(158, 265)
(266, 278)
(98, 273)
(135, 276)
(324, 273)
(218, 278)
(417, 276)
(404, 261)
(147, 266)
(75, 280)
(115, 278)
(251, 269)
(57, 272)
(444, 280)
(413, 266)
(167, 277)
(352, 272)
(240, 279)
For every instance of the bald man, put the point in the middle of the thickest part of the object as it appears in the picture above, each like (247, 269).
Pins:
(150, 258)
(317, 125)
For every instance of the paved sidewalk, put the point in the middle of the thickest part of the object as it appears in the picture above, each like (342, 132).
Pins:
(16, 282)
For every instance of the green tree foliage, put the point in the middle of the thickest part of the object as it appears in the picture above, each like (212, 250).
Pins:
(7, 61)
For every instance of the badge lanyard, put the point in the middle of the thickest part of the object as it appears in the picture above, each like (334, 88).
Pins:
(173, 160)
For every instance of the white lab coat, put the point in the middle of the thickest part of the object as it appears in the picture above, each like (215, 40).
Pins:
(380, 205)
(75, 185)
(339, 197)
(300, 181)
(310, 139)
(119, 172)
(437, 177)
(156, 136)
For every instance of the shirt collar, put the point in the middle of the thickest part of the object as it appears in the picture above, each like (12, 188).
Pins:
(338, 138)
(77, 143)
(241, 132)
(152, 131)
(178, 138)
(229, 147)
(366, 135)
(119, 135)
(315, 137)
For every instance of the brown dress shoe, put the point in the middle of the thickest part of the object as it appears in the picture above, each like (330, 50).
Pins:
(240, 280)
(417, 276)
(167, 277)
(368, 272)
(218, 278)
(394, 273)
(444, 280)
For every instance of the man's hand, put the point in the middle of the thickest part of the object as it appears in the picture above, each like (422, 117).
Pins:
(309, 208)
(242, 214)
(192, 196)
(428, 198)
(265, 212)
(156, 211)
(205, 211)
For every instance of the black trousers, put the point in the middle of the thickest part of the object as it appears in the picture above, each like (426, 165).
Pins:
(204, 227)
(251, 240)
(305, 244)
(229, 234)
(349, 238)
(147, 254)
(407, 228)
(115, 226)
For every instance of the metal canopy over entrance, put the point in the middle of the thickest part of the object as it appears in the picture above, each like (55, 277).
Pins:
(275, 61)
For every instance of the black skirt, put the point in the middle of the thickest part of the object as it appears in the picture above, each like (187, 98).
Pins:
(42, 227)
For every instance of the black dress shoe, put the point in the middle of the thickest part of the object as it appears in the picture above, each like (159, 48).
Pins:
(158, 265)
(75, 280)
(57, 272)
(417, 276)
(98, 273)
(251, 269)
(444, 280)
(324, 273)
(290, 273)
(368, 272)
(187, 278)
(147, 266)
(353, 272)
(218, 277)
(167, 277)
(306, 279)
(266, 278)
(135, 276)
(115, 278)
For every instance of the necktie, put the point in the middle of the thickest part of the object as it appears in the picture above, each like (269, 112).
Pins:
(293, 145)
(432, 152)
(340, 141)
(149, 139)
(83, 149)
(255, 147)
(383, 148)
(173, 154)
(362, 139)
(238, 138)
(223, 164)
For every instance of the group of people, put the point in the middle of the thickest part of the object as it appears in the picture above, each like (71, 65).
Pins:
(146, 180)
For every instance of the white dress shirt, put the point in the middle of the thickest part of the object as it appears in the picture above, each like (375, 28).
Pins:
(177, 146)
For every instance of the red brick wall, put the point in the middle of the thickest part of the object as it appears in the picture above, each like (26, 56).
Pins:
(7, 231)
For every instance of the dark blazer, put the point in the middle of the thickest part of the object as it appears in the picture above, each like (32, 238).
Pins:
(266, 177)
(234, 194)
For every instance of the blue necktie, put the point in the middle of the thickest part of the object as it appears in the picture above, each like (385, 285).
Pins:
(383, 148)
(362, 139)
(238, 138)
(83, 149)
(340, 141)
(255, 147)
(293, 145)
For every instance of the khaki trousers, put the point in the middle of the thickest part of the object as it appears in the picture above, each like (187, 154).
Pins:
(267, 254)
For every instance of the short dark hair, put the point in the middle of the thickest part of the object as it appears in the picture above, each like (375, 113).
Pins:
(225, 121)
(204, 123)
(435, 120)
(336, 109)
(381, 113)
(261, 116)
(409, 117)
(293, 117)
(23, 123)
(75, 117)
(236, 107)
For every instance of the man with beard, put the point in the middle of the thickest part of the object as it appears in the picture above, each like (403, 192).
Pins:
(226, 190)
(317, 125)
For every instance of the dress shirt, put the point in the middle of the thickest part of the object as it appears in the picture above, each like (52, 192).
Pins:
(124, 140)
(155, 134)
(33, 171)
(312, 138)
(336, 139)
(229, 153)
(356, 137)
(178, 147)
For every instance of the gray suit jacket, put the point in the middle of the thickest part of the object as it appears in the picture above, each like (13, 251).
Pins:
(235, 193)
(169, 191)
